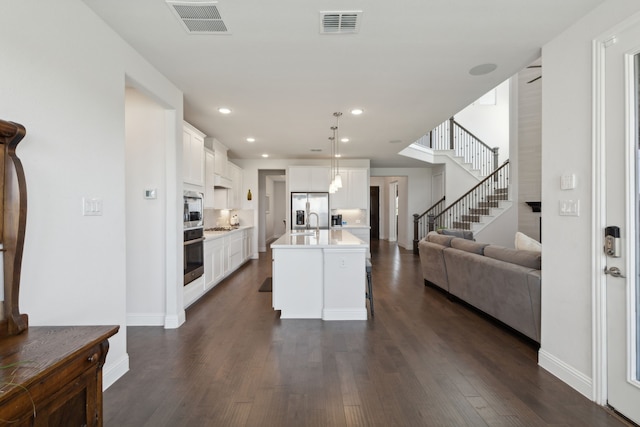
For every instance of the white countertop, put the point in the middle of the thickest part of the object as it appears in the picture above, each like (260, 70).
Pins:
(210, 235)
(326, 239)
(339, 227)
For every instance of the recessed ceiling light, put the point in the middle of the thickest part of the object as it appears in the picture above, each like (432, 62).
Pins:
(357, 111)
(338, 155)
(265, 155)
(251, 139)
(224, 110)
(482, 69)
(344, 139)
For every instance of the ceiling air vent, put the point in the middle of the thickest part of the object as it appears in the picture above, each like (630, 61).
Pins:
(342, 22)
(199, 17)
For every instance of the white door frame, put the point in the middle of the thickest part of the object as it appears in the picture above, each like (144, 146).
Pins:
(598, 210)
(393, 219)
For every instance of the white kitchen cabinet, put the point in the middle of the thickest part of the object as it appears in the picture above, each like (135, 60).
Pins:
(235, 250)
(221, 162)
(358, 193)
(308, 178)
(235, 193)
(218, 256)
(354, 193)
(247, 243)
(192, 155)
(209, 171)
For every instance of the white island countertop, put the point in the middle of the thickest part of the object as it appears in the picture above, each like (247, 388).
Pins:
(312, 240)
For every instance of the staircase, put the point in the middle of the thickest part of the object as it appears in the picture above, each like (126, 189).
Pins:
(483, 203)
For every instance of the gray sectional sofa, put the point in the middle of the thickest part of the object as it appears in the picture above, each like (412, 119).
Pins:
(502, 282)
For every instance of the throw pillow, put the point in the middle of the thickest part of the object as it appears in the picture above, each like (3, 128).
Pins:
(527, 243)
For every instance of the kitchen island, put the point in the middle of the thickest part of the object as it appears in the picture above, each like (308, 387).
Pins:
(319, 275)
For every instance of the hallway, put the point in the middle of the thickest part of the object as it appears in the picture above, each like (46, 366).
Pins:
(422, 361)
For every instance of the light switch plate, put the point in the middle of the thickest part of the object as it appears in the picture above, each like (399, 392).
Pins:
(568, 182)
(570, 207)
(91, 206)
(150, 193)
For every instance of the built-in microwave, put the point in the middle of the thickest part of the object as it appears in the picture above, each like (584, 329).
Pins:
(193, 209)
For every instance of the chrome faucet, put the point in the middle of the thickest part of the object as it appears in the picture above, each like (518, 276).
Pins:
(317, 222)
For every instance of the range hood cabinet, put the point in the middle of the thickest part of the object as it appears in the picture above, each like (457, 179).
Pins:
(221, 182)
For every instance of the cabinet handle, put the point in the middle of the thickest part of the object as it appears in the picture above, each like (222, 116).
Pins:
(93, 358)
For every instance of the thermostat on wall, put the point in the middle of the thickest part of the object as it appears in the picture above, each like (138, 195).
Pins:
(568, 182)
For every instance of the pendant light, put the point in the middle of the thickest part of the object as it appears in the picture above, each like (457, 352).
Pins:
(332, 185)
(337, 180)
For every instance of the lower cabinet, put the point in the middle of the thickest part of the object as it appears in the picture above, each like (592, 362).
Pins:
(223, 255)
(215, 267)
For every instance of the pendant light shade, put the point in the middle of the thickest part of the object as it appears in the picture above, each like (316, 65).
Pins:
(338, 181)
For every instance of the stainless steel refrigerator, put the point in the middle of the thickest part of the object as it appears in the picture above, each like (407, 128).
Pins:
(304, 203)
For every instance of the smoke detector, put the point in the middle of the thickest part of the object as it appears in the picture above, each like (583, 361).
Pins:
(340, 22)
(199, 17)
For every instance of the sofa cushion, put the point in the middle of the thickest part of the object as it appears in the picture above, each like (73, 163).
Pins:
(530, 259)
(468, 245)
(464, 234)
(527, 243)
(440, 239)
(432, 262)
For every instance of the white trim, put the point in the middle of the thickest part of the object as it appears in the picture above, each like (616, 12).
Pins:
(175, 321)
(344, 314)
(574, 378)
(599, 296)
(145, 319)
(598, 210)
(114, 371)
(630, 268)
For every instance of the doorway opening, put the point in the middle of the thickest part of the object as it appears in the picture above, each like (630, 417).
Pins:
(272, 204)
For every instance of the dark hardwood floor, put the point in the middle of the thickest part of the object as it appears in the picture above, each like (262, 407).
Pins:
(422, 361)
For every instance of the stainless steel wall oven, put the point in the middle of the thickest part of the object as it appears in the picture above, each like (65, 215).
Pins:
(193, 254)
(193, 236)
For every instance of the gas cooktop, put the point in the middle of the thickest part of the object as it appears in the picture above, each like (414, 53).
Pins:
(228, 228)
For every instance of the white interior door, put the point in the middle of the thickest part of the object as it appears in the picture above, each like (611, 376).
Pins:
(621, 122)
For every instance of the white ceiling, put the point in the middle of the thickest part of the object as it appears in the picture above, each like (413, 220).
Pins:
(408, 67)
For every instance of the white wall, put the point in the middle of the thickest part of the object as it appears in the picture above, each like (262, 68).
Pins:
(66, 85)
(145, 126)
(566, 348)
(529, 149)
(278, 203)
(269, 214)
(490, 123)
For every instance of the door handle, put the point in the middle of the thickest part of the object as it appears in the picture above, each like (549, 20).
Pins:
(613, 271)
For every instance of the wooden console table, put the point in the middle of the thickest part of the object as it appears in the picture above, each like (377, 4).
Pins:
(52, 376)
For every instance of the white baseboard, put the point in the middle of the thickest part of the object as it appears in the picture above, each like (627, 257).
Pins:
(145, 319)
(567, 373)
(111, 372)
(175, 321)
(344, 314)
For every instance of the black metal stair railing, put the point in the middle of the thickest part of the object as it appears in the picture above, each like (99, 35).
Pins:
(420, 222)
(477, 202)
(451, 135)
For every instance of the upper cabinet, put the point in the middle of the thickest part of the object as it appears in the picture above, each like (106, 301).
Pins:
(308, 178)
(354, 193)
(192, 155)
(235, 193)
(221, 163)
(209, 172)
